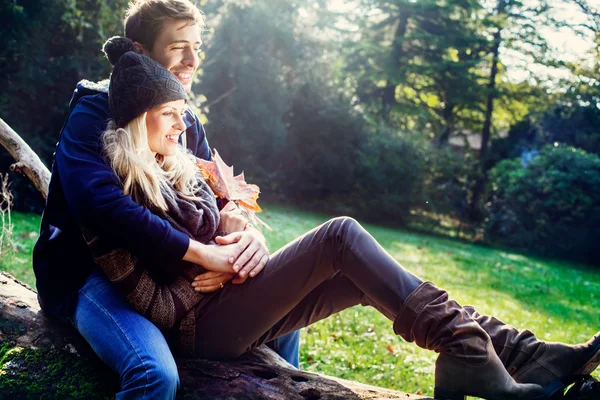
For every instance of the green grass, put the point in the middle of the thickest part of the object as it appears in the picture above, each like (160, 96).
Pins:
(17, 261)
(558, 300)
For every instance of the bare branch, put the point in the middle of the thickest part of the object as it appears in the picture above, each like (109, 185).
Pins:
(27, 162)
(221, 97)
(6, 227)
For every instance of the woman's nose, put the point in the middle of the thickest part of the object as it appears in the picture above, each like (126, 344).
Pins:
(179, 123)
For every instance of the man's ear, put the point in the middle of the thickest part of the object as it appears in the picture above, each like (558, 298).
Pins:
(141, 49)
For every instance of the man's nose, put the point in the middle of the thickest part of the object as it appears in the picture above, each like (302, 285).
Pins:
(191, 58)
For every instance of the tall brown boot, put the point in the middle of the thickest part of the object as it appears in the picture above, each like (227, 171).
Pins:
(468, 364)
(530, 360)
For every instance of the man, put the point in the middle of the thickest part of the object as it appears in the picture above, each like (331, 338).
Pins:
(85, 191)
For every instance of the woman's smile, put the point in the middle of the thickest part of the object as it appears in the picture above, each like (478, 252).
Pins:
(165, 124)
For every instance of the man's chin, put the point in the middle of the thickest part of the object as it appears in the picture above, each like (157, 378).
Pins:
(187, 87)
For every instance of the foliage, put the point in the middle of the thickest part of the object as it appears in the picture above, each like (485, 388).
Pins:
(330, 107)
(448, 181)
(389, 176)
(415, 63)
(47, 46)
(321, 156)
(550, 204)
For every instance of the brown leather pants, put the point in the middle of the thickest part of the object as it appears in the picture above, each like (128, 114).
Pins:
(334, 266)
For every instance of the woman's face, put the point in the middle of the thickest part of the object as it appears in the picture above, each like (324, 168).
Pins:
(165, 123)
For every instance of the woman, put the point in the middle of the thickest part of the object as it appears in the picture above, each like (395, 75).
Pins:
(333, 267)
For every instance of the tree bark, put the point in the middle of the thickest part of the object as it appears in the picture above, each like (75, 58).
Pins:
(388, 97)
(27, 162)
(481, 182)
(26, 335)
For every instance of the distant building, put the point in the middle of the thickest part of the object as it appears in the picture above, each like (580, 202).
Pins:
(460, 141)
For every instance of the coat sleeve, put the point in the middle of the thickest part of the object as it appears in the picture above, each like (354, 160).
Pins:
(164, 302)
(93, 193)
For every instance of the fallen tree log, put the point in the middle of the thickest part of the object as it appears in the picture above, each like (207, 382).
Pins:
(42, 358)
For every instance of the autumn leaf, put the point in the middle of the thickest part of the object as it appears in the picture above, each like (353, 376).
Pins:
(219, 176)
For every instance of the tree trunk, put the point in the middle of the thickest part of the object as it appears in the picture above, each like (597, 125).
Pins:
(388, 97)
(444, 136)
(41, 356)
(481, 182)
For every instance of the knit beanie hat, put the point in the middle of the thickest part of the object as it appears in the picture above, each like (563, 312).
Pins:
(138, 83)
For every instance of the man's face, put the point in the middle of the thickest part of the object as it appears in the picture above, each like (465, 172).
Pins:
(177, 47)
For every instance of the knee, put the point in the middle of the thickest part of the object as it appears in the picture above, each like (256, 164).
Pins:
(345, 223)
(151, 379)
(346, 227)
(163, 377)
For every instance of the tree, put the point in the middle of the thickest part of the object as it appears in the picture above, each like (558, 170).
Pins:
(416, 63)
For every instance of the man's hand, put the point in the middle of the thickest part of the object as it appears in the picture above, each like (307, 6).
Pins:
(211, 281)
(232, 219)
(213, 257)
(254, 255)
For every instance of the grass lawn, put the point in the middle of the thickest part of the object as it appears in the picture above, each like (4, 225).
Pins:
(558, 300)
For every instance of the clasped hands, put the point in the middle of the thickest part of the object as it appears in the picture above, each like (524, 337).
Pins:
(236, 256)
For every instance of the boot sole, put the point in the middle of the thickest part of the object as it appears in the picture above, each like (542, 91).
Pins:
(445, 394)
(449, 394)
(592, 363)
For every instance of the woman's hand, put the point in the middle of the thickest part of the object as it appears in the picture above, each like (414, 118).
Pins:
(253, 258)
(232, 219)
(211, 281)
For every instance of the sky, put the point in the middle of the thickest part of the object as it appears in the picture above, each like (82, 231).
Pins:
(565, 43)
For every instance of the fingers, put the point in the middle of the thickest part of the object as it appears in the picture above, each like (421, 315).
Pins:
(211, 281)
(238, 280)
(230, 206)
(260, 266)
(229, 239)
(252, 257)
(248, 248)
(209, 275)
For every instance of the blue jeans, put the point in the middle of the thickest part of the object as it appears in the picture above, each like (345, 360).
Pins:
(132, 346)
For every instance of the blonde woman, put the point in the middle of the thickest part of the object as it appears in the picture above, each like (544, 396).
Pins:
(335, 266)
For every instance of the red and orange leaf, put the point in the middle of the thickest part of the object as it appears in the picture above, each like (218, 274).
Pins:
(219, 176)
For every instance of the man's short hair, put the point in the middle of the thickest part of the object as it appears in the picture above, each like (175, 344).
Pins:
(144, 18)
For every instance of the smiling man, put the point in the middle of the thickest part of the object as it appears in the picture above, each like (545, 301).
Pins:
(85, 191)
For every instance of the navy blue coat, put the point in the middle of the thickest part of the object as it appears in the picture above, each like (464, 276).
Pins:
(84, 190)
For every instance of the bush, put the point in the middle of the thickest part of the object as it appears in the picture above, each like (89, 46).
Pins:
(388, 179)
(448, 180)
(549, 205)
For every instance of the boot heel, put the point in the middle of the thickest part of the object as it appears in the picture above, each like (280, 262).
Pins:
(448, 394)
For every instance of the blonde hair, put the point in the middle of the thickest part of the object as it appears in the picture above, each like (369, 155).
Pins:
(144, 175)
